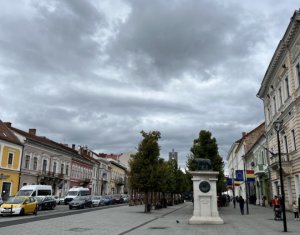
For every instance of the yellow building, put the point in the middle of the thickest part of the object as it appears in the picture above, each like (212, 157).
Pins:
(10, 162)
(117, 179)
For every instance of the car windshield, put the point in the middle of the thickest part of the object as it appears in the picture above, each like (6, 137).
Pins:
(15, 200)
(24, 193)
(107, 197)
(79, 198)
(96, 198)
(39, 199)
(72, 193)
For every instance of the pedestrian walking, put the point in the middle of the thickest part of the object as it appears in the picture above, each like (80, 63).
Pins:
(273, 203)
(295, 210)
(277, 208)
(264, 198)
(233, 201)
(242, 203)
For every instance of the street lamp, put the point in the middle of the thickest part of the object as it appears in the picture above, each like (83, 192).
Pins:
(232, 174)
(278, 127)
(246, 185)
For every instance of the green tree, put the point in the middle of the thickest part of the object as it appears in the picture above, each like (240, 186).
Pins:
(205, 146)
(144, 165)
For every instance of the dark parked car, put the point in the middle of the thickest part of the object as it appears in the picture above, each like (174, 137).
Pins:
(107, 200)
(81, 202)
(45, 202)
(117, 199)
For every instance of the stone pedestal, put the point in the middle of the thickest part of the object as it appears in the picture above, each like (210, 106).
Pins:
(205, 198)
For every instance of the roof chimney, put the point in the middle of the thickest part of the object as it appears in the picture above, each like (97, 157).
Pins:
(73, 146)
(8, 124)
(244, 133)
(32, 131)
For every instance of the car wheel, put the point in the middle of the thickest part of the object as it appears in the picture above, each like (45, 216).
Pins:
(22, 212)
(39, 207)
(35, 211)
(52, 207)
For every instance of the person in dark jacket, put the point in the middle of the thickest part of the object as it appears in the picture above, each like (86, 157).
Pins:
(242, 203)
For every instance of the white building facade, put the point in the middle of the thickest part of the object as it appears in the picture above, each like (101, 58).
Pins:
(280, 93)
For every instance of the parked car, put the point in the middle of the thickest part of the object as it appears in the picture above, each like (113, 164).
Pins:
(125, 198)
(19, 205)
(107, 200)
(1, 201)
(81, 202)
(61, 201)
(56, 198)
(98, 201)
(46, 202)
(117, 199)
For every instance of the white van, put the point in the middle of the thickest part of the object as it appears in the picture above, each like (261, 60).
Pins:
(76, 191)
(35, 190)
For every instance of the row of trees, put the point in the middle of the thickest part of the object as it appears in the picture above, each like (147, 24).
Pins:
(154, 177)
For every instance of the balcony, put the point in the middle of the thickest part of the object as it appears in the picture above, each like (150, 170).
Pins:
(104, 177)
(50, 174)
(285, 163)
(119, 181)
(260, 169)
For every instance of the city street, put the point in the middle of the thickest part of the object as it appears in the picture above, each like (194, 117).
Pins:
(131, 220)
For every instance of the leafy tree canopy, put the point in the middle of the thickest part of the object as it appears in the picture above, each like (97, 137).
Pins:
(205, 146)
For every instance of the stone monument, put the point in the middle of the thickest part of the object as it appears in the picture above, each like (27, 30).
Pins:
(205, 194)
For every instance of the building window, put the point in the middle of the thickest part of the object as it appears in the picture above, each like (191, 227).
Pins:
(27, 162)
(10, 158)
(287, 87)
(67, 169)
(298, 72)
(62, 168)
(35, 160)
(294, 139)
(54, 167)
(286, 144)
(44, 165)
(280, 96)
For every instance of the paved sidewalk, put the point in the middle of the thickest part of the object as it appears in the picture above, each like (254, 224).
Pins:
(131, 220)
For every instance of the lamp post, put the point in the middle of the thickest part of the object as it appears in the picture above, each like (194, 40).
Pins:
(246, 186)
(233, 193)
(278, 127)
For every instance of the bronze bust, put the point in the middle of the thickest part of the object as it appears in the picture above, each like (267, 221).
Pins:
(202, 164)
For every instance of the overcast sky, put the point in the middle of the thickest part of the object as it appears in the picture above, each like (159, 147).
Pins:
(96, 73)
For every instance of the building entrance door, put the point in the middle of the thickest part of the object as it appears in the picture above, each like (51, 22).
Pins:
(5, 190)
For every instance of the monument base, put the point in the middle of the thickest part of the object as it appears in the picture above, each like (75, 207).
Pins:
(205, 220)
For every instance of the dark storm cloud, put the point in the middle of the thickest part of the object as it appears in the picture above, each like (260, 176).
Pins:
(96, 73)
(51, 42)
(165, 39)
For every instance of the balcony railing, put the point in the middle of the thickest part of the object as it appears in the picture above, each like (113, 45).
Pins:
(51, 174)
(285, 163)
(119, 181)
(260, 169)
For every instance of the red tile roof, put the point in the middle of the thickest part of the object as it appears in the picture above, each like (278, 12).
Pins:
(8, 135)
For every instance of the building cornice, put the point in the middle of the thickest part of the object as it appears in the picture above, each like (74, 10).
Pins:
(280, 52)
